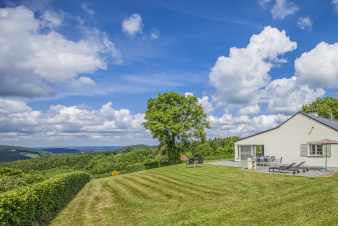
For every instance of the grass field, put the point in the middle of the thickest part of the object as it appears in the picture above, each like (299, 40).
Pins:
(208, 195)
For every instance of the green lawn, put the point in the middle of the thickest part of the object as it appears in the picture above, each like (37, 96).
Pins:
(208, 195)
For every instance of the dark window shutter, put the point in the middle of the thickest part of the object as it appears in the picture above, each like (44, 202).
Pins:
(303, 150)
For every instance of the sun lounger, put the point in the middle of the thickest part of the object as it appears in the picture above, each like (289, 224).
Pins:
(282, 168)
(190, 162)
(299, 167)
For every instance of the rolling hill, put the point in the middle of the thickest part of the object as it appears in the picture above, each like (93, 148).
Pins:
(13, 153)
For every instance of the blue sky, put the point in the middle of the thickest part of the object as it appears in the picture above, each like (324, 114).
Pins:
(118, 54)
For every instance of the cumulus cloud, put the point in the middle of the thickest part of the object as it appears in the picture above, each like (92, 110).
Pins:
(206, 104)
(204, 101)
(319, 66)
(18, 120)
(44, 58)
(242, 125)
(250, 109)
(283, 8)
(304, 23)
(17, 117)
(238, 77)
(81, 125)
(243, 82)
(287, 96)
(132, 25)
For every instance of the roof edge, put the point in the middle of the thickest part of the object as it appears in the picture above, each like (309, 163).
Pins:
(276, 127)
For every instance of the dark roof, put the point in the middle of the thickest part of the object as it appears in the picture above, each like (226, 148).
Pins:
(333, 124)
(330, 123)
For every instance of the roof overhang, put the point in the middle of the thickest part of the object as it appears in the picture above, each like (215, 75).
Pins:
(324, 141)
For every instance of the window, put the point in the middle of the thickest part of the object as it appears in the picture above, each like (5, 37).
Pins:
(316, 150)
(319, 149)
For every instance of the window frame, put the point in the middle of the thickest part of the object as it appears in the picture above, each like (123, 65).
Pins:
(314, 151)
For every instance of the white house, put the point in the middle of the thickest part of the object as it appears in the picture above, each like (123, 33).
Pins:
(303, 137)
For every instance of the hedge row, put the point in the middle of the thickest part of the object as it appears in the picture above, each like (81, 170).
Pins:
(38, 203)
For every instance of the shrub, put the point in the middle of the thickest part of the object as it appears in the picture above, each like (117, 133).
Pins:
(14, 181)
(38, 203)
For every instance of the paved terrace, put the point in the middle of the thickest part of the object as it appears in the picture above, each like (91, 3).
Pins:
(265, 169)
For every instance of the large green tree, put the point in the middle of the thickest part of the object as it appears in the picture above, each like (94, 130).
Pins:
(175, 120)
(323, 107)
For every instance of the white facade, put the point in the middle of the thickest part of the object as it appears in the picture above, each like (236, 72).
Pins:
(291, 141)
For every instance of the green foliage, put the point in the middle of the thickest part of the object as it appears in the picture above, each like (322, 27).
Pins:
(323, 107)
(213, 148)
(97, 164)
(36, 204)
(13, 178)
(203, 149)
(174, 120)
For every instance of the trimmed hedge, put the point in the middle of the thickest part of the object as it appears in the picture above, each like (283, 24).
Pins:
(38, 203)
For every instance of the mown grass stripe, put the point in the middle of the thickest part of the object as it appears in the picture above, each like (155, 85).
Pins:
(176, 195)
(161, 193)
(139, 192)
(188, 185)
(174, 188)
(121, 204)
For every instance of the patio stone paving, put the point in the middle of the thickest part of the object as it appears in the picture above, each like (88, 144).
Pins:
(265, 169)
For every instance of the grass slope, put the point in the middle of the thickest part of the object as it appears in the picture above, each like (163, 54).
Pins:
(208, 195)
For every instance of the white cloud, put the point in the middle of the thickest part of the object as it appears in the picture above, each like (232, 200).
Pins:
(319, 66)
(206, 104)
(238, 77)
(67, 123)
(36, 60)
(16, 116)
(84, 81)
(283, 8)
(243, 125)
(287, 96)
(87, 9)
(132, 25)
(242, 80)
(203, 101)
(250, 109)
(52, 19)
(304, 23)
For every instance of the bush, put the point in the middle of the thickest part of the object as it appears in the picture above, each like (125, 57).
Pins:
(214, 148)
(13, 178)
(203, 149)
(38, 203)
(96, 164)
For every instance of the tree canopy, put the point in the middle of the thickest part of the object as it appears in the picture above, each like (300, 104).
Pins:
(175, 120)
(323, 107)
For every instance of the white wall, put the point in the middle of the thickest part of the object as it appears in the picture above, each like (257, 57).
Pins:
(285, 141)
